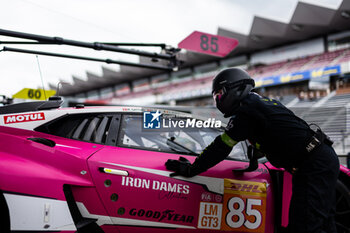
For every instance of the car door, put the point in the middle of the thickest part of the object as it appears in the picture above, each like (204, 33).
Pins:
(140, 195)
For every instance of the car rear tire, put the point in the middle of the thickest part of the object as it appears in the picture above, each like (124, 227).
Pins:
(4, 215)
(342, 216)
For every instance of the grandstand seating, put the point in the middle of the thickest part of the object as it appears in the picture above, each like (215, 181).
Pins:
(324, 59)
(331, 116)
(328, 112)
(287, 99)
(338, 101)
(264, 71)
(283, 67)
(345, 57)
(305, 63)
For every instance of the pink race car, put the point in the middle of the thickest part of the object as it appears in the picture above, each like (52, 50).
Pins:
(101, 169)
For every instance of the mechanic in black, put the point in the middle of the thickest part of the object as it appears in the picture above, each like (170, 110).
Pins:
(287, 142)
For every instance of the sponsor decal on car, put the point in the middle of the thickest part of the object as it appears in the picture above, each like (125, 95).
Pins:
(210, 215)
(172, 195)
(155, 185)
(211, 197)
(166, 215)
(244, 206)
(130, 109)
(242, 209)
(19, 118)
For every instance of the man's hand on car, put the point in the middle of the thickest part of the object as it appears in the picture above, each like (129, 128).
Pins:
(181, 167)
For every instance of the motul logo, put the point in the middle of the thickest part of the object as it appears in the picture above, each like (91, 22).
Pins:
(19, 118)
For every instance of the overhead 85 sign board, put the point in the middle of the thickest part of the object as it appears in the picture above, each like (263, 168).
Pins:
(34, 94)
(209, 44)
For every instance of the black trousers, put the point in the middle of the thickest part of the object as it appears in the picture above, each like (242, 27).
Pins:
(312, 208)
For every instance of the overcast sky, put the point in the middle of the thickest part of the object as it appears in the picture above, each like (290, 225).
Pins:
(144, 21)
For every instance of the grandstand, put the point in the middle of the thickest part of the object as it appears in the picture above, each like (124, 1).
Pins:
(316, 61)
(305, 63)
(331, 114)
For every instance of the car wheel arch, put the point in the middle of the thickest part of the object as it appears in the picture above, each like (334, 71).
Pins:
(342, 205)
(4, 213)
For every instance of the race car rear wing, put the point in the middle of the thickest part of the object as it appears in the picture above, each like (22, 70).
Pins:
(53, 103)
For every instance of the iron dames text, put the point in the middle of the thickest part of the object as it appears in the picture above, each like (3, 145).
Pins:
(155, 185)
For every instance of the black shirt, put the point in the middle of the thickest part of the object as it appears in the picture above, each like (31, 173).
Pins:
(276, 130)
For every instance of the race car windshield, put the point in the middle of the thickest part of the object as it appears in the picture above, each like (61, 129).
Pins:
(174, 139)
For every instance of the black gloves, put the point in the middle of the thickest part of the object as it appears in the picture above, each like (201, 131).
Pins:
(181, 167)
(211, 155)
